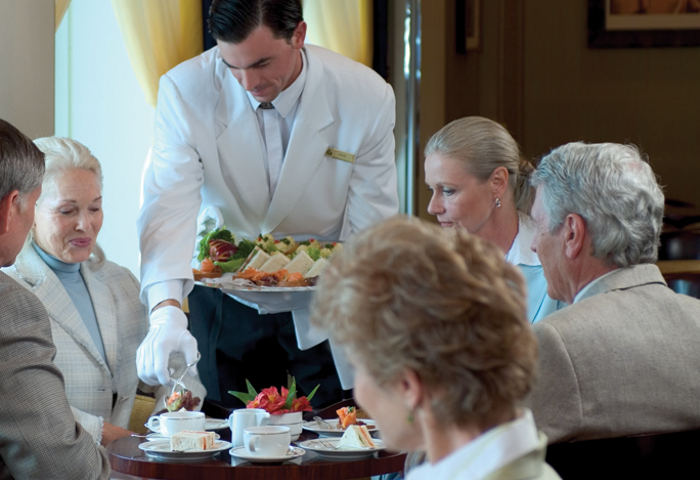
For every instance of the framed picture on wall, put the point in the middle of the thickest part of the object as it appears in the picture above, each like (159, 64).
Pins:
(468, 31)
(643, 23)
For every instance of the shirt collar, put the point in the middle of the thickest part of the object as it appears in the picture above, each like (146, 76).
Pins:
(488, 452)
(287, 99)
(520, 252)
(583, 293)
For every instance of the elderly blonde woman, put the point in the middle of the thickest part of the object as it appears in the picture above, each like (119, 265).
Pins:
(434, 323)
(480, 182)
(97, 319)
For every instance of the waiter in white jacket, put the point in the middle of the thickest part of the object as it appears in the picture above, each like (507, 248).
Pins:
(280, 137)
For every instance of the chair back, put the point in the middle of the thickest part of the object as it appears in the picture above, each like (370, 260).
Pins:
(668, 455)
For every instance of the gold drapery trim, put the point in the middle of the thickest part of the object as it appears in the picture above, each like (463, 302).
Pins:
(344, 26)
(60, 7)
(158, 35)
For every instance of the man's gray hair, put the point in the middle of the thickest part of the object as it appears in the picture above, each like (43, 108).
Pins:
(21, 163)
(613, 188)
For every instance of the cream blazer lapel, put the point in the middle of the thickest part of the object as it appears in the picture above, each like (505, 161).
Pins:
(306, 149)
(46, 285)
(106, 313)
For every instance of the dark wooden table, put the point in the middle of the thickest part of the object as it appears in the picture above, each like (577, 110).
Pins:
(126, 458)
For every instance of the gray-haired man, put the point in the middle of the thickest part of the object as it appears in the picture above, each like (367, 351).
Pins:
(622, 359)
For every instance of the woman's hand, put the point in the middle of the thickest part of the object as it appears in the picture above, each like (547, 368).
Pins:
(111, 432)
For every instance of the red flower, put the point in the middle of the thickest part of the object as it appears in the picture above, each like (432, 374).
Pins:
(268, 399)
(301, 404)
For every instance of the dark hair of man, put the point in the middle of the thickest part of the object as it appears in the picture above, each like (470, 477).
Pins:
(232, 21)
(21, 162)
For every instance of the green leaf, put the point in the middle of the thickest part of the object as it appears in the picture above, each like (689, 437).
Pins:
(291, 395)
(232, 265)
(251, 389)
(313, 392)
(245, 397)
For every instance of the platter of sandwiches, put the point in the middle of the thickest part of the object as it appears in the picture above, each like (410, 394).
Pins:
(266, 262)
(269, 274)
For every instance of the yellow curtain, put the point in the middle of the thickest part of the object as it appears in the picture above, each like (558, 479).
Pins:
(344, 26)
(158, 34)
(60, 7)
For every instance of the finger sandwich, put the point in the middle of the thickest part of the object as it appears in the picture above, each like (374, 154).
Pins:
(356, 436)
(186, 441)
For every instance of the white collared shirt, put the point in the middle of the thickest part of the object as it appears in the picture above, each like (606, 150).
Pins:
(582, 293)
(485, 454)
(286, 105)
(520, 252)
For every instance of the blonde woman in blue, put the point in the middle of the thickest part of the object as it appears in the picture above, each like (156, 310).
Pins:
(480, 182)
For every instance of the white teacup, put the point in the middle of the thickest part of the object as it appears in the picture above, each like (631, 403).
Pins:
(243, 418)
(267, 440)
(173, 422)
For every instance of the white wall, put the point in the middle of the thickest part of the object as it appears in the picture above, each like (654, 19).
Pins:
(100, 103)
(26, 65)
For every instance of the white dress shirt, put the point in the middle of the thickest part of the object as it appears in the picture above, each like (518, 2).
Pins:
(485, 454)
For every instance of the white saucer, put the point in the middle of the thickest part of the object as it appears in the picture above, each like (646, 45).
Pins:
(242, 453)
(161, 449)
(209, 424)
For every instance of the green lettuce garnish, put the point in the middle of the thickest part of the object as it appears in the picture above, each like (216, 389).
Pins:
(219, 233)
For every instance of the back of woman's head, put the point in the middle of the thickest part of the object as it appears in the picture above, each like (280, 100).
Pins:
(408, 295)
(484, 145)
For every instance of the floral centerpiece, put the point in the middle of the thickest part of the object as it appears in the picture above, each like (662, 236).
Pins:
(275, 402)
(283, 406)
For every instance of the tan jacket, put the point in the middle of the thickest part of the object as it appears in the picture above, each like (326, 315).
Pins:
(624, 360)
(39, 437)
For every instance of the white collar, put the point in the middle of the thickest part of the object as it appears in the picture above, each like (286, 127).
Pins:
(583, 292)
(520, 252)
(486, 453)
(289, 97)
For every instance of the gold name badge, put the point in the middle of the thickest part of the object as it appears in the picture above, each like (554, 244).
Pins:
(340, 155)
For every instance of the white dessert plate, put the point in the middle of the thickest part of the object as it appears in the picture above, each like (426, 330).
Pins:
(209, 424)
(242, 453)
(330, 428)
(215, 423)
(328, 447)
(158, 436)
(161, 449)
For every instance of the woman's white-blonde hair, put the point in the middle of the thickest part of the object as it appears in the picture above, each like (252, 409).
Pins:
(409, 295)
(63, 154)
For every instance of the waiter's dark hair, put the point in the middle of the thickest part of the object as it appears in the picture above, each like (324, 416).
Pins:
(233, 20)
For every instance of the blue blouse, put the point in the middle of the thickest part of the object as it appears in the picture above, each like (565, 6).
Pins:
(539, 304)
(72, 280)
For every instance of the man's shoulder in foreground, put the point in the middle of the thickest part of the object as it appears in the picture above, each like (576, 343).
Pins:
(39, 437)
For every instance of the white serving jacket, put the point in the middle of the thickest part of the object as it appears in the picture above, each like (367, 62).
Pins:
(208, 153)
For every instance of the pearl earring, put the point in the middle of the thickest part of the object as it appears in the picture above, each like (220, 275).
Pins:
(498, 202)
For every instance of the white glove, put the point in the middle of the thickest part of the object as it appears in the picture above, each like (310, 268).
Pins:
(168, 333)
